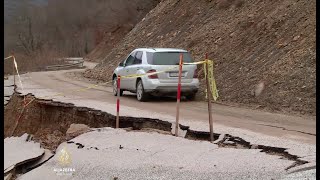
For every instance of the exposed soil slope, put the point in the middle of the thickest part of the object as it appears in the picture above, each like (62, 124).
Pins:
(48, 121)
(121, 18)
(251, 42)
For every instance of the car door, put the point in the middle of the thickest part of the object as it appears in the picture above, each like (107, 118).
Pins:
(133, 69)
(125, 71)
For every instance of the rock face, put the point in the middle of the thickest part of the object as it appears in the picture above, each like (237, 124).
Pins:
(75, 130)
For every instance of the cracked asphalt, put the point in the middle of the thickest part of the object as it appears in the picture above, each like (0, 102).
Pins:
(300, 128)
(155, 156)
(296, 133)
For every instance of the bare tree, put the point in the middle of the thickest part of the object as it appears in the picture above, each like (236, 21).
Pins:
(67, 27)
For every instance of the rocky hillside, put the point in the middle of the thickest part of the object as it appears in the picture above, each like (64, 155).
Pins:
(271, 43)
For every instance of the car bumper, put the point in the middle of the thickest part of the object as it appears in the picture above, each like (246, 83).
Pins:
(155, 86)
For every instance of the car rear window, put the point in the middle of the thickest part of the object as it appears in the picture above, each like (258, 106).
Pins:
(167, 58)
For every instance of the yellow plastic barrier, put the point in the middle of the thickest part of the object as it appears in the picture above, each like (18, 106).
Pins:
(8, 57)
(205, 62)
(212, 82)
(158, 72)
(199, 62)
(148, 74)
(16, 67)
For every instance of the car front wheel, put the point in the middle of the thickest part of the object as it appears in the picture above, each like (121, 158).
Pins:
(115, 87)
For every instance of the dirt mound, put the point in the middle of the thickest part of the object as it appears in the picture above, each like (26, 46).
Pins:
(252, 42)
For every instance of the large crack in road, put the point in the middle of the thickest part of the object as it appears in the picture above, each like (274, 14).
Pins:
(283, 128)
(48, 121)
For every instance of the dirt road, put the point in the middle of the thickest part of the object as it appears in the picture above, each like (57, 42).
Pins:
(279, 125)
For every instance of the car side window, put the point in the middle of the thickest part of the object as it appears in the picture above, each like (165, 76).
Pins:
(149, 57)
(138, 58)
(130, 59)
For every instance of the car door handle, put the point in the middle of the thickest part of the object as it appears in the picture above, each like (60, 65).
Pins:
(127, 70)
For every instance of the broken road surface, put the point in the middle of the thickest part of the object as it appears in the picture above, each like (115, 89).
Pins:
(296, 134)
(17, 150)
(278, 125)
(110, 153)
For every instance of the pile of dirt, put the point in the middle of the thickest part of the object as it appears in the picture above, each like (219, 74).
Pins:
(252, 43)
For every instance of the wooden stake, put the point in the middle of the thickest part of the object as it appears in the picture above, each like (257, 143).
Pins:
(118, 101)
(209, 101)
(178, 95)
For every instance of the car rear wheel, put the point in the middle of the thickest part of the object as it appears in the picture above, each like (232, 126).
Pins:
(191, 97)
(141, 94)
(115, 87)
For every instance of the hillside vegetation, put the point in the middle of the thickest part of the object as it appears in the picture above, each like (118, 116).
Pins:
(253, 41)
(39, 31)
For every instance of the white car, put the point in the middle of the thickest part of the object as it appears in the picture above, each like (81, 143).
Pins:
(148, 60)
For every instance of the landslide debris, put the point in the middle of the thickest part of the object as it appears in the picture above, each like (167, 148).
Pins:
(252, 42)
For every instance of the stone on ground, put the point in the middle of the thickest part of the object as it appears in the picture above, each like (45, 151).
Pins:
(75, 130)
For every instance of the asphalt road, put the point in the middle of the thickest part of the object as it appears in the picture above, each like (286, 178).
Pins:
(111, 153)
(150, 155)
(297, 128)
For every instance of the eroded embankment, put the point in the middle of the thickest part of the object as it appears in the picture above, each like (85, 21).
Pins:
(48, 122)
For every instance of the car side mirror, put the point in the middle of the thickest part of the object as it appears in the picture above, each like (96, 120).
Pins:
(121, 64)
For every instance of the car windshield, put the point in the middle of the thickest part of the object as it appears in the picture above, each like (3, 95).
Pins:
(168, 58)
